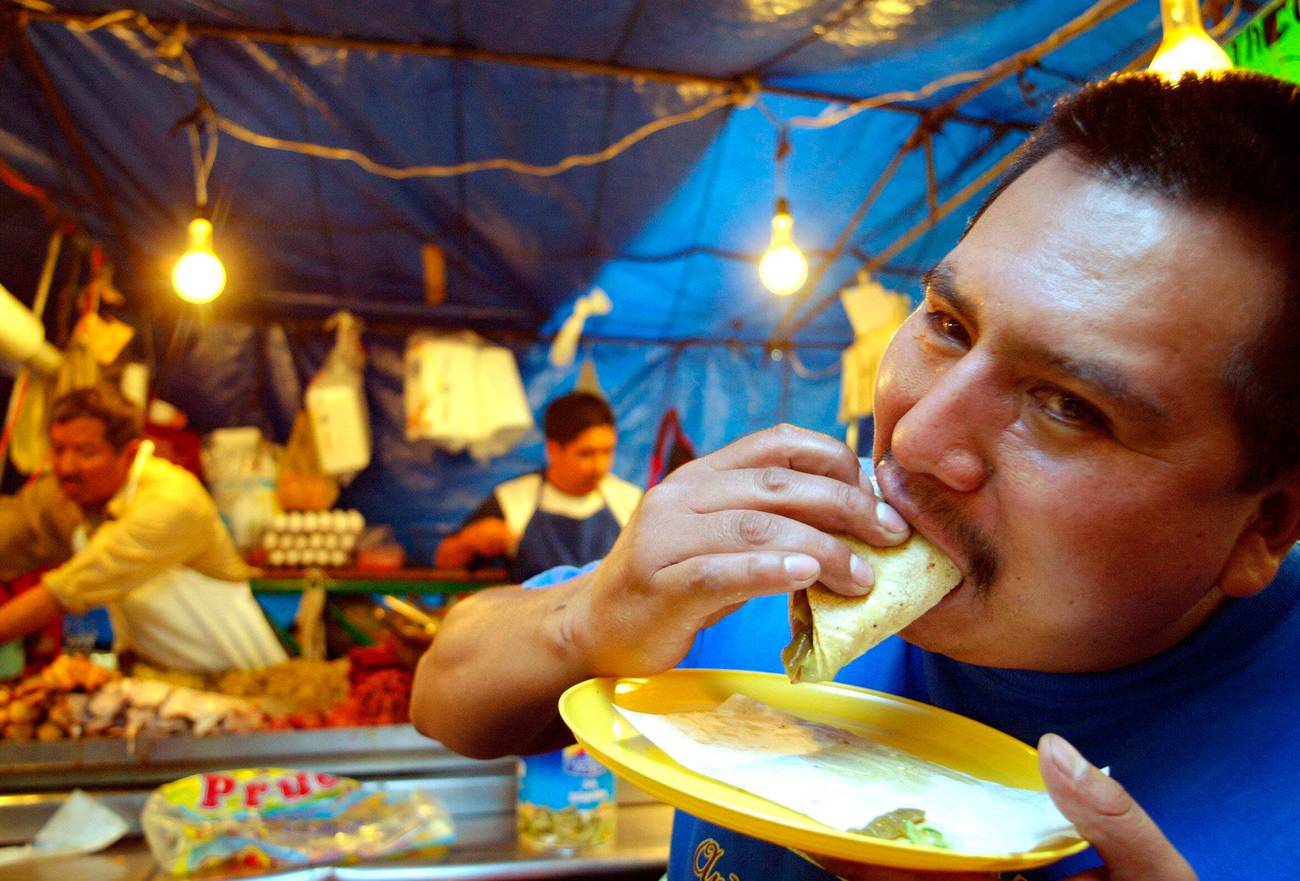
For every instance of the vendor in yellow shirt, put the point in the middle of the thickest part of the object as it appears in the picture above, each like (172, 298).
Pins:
(133, 533)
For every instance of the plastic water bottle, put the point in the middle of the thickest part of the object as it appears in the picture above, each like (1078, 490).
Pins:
(566, 800)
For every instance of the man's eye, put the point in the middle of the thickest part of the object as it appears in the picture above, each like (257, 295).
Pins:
(944, 324)
(1068, 409)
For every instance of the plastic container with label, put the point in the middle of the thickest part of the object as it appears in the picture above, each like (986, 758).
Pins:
(566, 800)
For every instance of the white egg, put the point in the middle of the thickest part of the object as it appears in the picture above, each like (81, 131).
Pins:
(294, 522)
(310, 521)
(270, 540)
(331, 540)
(293, 557)
(276, 557)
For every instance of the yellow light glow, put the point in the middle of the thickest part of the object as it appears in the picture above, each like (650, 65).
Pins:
(198, 276)
(783, 268)
(1186, 47)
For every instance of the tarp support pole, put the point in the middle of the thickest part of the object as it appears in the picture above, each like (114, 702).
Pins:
(990, 174)
(464, 53)
(61, 116)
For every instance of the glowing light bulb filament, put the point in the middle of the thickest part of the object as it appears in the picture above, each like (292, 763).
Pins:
(1186, 47)
(783, 268)
(198, 276)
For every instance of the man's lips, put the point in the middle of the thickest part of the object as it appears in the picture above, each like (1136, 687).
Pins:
(894, 491)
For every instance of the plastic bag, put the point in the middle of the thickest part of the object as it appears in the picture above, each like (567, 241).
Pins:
(29, 445)
(258, 818)
(302, 485)
(336, 403)
(463, 394)
(240, 470)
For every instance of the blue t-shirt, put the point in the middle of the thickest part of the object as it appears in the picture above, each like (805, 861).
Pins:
(1201, 735)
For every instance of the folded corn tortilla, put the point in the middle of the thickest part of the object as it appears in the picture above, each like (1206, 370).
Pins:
(828, 630)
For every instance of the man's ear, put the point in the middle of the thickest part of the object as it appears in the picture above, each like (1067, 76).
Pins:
(1264, 542)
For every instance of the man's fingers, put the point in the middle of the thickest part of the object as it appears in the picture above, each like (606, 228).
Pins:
(788, 447)
(725, 581)
(738, 531)
(824, 502)
(1130, 843)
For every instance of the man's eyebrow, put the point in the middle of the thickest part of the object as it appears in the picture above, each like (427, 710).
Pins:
(1108, 380)
(940, 282)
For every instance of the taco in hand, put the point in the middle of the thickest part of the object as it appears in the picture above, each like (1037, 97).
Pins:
(829, 630)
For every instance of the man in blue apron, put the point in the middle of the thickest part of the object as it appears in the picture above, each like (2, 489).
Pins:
(569, 513)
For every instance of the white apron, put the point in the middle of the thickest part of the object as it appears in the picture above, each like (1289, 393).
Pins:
(184, 620)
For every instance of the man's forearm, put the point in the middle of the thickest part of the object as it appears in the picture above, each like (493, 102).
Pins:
(28, 612)
(488, 685)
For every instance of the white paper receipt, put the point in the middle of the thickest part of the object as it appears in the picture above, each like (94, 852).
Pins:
(847, 782)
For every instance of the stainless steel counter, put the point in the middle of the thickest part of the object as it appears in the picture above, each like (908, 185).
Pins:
(486, 849)
(35, 777)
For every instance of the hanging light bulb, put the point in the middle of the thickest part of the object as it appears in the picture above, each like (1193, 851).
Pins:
(199, 276)
(1186, 47)
(783, 269)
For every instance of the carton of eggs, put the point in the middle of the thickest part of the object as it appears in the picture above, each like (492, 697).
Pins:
(298, 539)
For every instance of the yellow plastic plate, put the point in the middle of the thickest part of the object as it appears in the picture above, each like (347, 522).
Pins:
(923, 730)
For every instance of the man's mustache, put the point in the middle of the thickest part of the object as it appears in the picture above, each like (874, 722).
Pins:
(934, 501)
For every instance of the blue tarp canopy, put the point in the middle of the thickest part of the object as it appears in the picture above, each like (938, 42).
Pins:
(95, 103)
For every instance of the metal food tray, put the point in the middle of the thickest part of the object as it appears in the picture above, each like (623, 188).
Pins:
(92, 762)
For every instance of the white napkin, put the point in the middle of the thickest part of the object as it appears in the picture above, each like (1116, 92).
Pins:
(846, 781)
(80, 826)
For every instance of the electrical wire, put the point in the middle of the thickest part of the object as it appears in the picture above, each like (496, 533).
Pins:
(171, 45)
(1229, 18)
(992, 72)
(249, 136)
(804, 372)
(202, 161)
(835, 117)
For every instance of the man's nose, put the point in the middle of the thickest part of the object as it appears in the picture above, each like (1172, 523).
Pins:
(944, 433)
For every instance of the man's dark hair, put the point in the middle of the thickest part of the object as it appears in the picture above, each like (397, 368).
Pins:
(570, 415)
(1229, 143)
(122, 419)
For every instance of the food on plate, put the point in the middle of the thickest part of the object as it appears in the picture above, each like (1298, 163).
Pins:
(73, 698)
(828, 630)
(50, 705)
(903, 824)
(296, 684)
(146, 707)
(863, 783)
